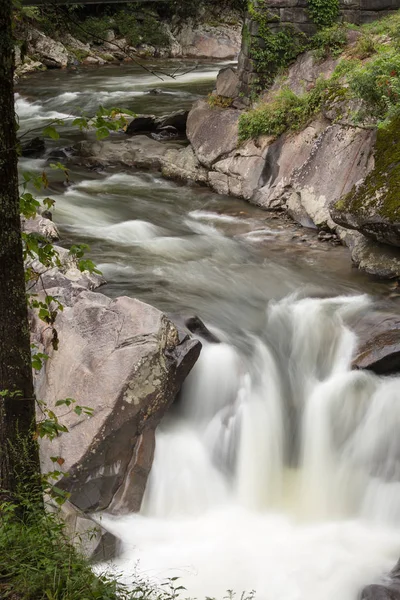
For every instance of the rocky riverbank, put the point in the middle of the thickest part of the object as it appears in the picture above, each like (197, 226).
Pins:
(202, 37)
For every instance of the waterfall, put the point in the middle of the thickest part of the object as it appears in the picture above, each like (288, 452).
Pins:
(279, 469)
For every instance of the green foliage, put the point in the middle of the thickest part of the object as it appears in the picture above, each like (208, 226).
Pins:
(365, 47)
(286, 111)
(40, 563)
(323, 12)
(329, 41)
(276, 50)
(377, 84)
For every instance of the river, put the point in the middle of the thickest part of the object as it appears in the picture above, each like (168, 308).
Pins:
(278, 468)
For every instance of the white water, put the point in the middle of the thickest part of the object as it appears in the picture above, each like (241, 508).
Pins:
(278, 473)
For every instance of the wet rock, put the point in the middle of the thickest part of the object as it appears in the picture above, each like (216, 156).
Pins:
(388, 590)
(165, 133)
(177, 119)
(142, 124)
(155, 91)
(378, 343)
(34, 148)
(227, 83)
(123, 359)
(137, 151)
(376, 259)
(196, 326)
(147, 124)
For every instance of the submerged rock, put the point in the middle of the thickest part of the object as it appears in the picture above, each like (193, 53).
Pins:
(34, 148)
(378, 343)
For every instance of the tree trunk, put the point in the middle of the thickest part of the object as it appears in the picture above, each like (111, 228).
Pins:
(19, 458)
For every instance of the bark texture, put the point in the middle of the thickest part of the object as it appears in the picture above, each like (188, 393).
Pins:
(18, 452)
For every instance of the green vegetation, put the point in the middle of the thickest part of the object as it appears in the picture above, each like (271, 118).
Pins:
(329, 41)
(380, 190)
(219, 101)
(368, 75)
(323, 12)
(276, 49)
(285, 112)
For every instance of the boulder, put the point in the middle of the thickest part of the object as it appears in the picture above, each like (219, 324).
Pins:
(34, 148)
(177, 119)
(213, 132)
(138, 151)
(142, 124)
(227, 83)
(41, 226)
(375, 259)
(372, 206)
(388, 589)
(125, 360)
(182, 164)
(378, 348)
(51, 53)
(151, 124)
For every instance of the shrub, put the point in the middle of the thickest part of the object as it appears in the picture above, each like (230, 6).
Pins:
(377, 84)
(329, 41)
(287, 111)
(365, 47)
(219, 101)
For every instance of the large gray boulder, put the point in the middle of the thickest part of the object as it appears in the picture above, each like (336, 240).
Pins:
(213, 132)
(126, 361)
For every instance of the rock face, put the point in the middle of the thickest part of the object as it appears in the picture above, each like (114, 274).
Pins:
(206, 41)
(372, 206)
(213, 133)
(51, 53)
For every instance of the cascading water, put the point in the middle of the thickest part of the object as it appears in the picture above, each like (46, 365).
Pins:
(276, 471)
(278, 468)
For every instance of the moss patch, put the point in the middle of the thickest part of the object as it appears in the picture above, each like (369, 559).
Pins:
(380, 192)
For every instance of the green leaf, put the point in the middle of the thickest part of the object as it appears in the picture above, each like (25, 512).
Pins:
(51, 132)
(102, 133)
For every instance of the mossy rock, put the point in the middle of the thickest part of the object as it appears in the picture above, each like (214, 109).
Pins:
(373, 207)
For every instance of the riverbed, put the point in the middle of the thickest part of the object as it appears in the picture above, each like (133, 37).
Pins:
(263, 474)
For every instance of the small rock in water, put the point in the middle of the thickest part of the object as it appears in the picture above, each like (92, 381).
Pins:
(155, 91)
(165, 133)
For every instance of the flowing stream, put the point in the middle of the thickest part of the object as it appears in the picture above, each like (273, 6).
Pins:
(278, 467)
